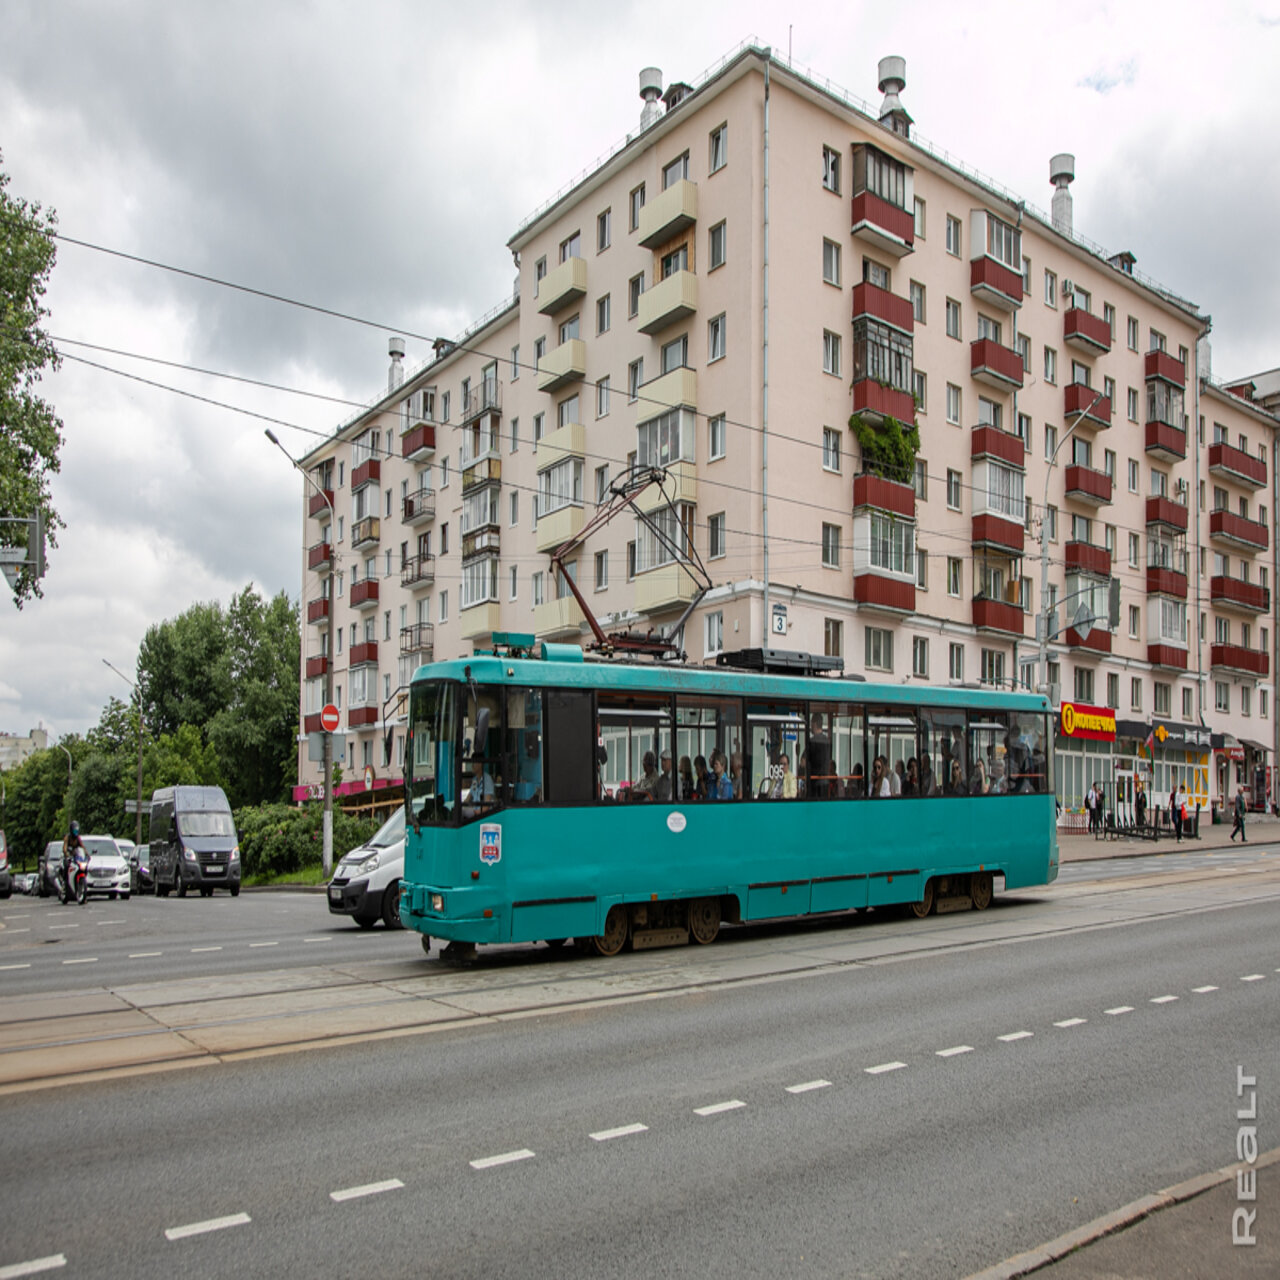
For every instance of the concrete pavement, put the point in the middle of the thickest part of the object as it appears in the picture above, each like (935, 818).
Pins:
(1261, 828)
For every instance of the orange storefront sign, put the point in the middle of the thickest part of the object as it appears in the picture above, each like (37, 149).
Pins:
(1079, 720)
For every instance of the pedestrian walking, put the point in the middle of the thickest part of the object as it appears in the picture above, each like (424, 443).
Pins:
(1175, 813)
(1091, 804)
(1240, 808)
(1140, 807)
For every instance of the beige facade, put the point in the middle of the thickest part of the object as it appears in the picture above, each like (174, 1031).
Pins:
(14, 749)
(719, 298)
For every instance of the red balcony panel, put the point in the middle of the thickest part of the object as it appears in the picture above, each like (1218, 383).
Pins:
(319, 554)
(1166, 582)
(364, 652)
(1088, 333)
(991, 442)
(1160, 364)
(892, 594)
(1235, 464)
(1084, 484)
(368, 472)
(1235, 657)
(364, 592)
(420, 442)
(995, 531)
(874, 401)
(1229, 527)
(883, 223)
(317, 666)
(996, 615)
(880, 304)
(1167, 655)
(995, 365)
(1084, 557)
(1164, 441)
(320, 504)
(1231, 593)
(1099, 641)
(311, 724)
(357, 716)
(1079, 399)
(995, 283)
(317, 610)
(884, 495)
(1167, 512)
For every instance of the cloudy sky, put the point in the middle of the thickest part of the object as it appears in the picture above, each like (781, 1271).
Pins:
(374, 158)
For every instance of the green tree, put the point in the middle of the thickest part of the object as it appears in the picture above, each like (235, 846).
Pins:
(180, 759)
(183, 670)
(95, 798)
(30, 431)
(35, 791)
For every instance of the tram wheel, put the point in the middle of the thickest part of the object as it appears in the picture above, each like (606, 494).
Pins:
(614, 937)
(980, 890)
(925, 905)
(704, 920)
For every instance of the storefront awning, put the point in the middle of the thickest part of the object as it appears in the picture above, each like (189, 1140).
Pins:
(1256, 746)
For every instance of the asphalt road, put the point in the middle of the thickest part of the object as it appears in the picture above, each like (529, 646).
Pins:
(958, 1105)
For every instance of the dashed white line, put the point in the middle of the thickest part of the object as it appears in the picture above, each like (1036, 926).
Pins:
(716, 1107)
(369, 1189)
(212, 1224)
(883, 1067)
(195, 949)
(264, 944)
(1253, 977)
(24, 916)
(74, 925)
(1163, 999)
(808, 1086)
(955, 1050)
(509, 1157)
(34, 1267)
(1071, 1022)
(1120, 1008)
(622, 1131)
(144, 955)
(14, 966)
(101, 923)
(24, 929)
(317, 939)
(1016, 1035)
(1200, 991)
(83, 960)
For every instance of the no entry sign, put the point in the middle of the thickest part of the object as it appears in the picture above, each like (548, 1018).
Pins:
(329, 718)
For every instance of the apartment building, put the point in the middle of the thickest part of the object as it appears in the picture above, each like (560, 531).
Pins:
(765, 272)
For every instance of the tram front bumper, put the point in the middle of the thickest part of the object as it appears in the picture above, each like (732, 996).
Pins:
(459, 915)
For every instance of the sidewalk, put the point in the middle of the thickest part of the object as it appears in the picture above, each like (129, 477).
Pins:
(1260, 828)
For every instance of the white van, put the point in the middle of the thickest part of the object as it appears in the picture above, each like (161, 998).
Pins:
(366, 883)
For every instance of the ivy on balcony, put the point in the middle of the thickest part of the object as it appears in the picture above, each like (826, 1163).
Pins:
(889, 447)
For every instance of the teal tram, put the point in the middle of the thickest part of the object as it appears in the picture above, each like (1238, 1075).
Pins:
(644, 804)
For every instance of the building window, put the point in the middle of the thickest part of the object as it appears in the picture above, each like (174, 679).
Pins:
(922, 569)
(715, 536)
(602, 570)
(1134, 550)
(833, 637)
(539, 271)
(631, 561)
(953, 236)
(953, 404)
(513, 583)
(602, 398)
(635, 204)
(1133, 475)
(1051, 522)
(919, 218)
(1135, 693)
(920, 390)
(514, 509)
(879, 649)
(954, 583)
(635, 287)
(920, 656)
(920, 480)
(953, 319)
(716, 246)
(1113, 691)
(675, 171)
(1246, 700)
(715, 437)
(635, 379)
(602, 484)
(831, 546)
(1132, 333)
(571, 247)
(1023, 347)
(1186, 704)
(955, 662)
(1050, 289)
(830, 352)
(917, 301)
(719, 149)
(1084, 684)
(675, 354)
(992, 667)
(515, 362)
(1221, 695)
(715, 633)
(716, 338)
(1050, 365)
(604, 230)
(1163, 698)
(444, 606)
(603, 317)
(953, 489)
(1050, 442)
(831, 170)
(830, 449)
(831, 262)
(875, 273)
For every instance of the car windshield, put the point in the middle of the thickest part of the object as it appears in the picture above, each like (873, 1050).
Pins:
(206, 824)
(100, 847)
(391, 832)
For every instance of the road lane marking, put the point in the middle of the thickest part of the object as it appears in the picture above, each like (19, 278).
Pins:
(102, 922)
(1253, 977)
(369, 1189)
(24, 929)
(83, 960)
(15, 966)
(1163, 999)
(144, 955)
(265, 944)
(212, 1224)
(1203, 990)
(1120, 1008)
(73, 925)
(621, 1132)
(24, 916)
(1016, 1035)
(883, 1067)
(955, 1050)
(1071, 1022)
(195, 949)
(716, 1107)
(34, 1267)
(317, 939)
(510, 1157)
(808, 1085)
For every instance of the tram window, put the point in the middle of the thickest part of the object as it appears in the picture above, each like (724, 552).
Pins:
(482, 783)
(988, 753)
(891, 738)
(636, 732)
(433, 755)
(1029, 768)
(522, 753)
(568, 752)
(777, 743)
(706, 728)
(846, 725)
(942, 765)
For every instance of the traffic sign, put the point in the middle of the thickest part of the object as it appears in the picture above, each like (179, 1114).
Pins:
(329, 717)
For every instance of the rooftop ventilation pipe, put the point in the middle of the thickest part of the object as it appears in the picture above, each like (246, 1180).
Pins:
(893, 79)
(1062, 172)
(395, 375)
(651, 92)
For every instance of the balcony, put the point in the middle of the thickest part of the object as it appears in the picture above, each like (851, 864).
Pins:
(1097, 641)
(995, 284)
(359, 654)
(481, 471)
(1235, 464)
(419, 507)
(312, 724)
(884, 495)
(418, 639)
(1164, 511)
(366, 532)
(319, 555)
(668, 302)
(880, 304)
(1086, 333)
(1239, 597)
(364, 594)
(996, 615)
(418, 572)
(317, 667)
(480, 620)
(1166, 582)
(667, 587)
(1167, 655)
(1087, 486)
(419, 441)
(357, 717)
(667, 391)
(554, 618)
(998, 533)
(320, 504)
(562, 285)
(482, 399)
(882, 225)
(991, 442)
(681, 487)
(556, 528)
(1234, 657)
(874, 401)
(1166, 442)
(1160, 364)
(367, 473)
(997, 366)
(1093, 409)
(317, 610)
(485, 540)
(566, 364)
(668, 214)
(1084, 557)
(1238, 531)
(887, 595)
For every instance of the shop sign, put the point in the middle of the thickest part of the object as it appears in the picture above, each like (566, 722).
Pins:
(1079, 720)
(1178, 736)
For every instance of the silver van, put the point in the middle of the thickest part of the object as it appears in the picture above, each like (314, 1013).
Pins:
(193, 842)
(366, 883)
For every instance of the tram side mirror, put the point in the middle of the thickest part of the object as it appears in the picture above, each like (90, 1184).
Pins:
(482, 729)
(602, 754)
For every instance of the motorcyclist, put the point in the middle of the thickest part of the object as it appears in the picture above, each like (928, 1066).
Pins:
(70, 844)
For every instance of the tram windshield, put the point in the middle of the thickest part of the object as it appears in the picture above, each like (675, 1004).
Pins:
(431, 776)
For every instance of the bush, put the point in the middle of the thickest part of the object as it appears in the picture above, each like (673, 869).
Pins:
(280, 839)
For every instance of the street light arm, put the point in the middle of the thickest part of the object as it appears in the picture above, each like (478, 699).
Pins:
(304, 473)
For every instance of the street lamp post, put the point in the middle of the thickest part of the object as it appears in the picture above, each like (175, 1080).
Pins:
(66, 753)
(328, 665)
(137, 834)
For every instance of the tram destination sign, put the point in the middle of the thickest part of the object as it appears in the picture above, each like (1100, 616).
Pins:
(1079, 720)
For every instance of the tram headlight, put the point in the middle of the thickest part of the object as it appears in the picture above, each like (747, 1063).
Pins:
(437, 902)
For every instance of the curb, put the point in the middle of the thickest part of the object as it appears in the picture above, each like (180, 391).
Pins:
(1023, 1264)
(1154, 849)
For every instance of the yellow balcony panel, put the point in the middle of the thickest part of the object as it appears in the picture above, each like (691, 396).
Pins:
(678, 387)
(557, 528)
(669, 213)
(681, 486)
(566, 364)
(669, 587)
(569, 441)
(557, 618)
(481, 620)
(668, 302)
(563, 285)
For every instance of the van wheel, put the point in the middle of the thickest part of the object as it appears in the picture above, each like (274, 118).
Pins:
(391, 906)
(365, 922)
(235, 890)
(179, 883)
(206, 891)
(161, 890)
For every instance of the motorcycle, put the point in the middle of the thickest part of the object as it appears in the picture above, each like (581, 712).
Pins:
(76, 870)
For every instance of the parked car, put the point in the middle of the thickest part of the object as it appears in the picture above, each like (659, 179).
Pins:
(6, 877)
(47, 869)
(366, 882)
(25, 883)
(193, 841)
(109, 870)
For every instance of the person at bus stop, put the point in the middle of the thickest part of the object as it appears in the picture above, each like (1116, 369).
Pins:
(1091, 805)
(1175, 811)
(1140, 806)
(1240, 812)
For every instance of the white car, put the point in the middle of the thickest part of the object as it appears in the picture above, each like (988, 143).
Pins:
(366, 883)
(109, 870)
